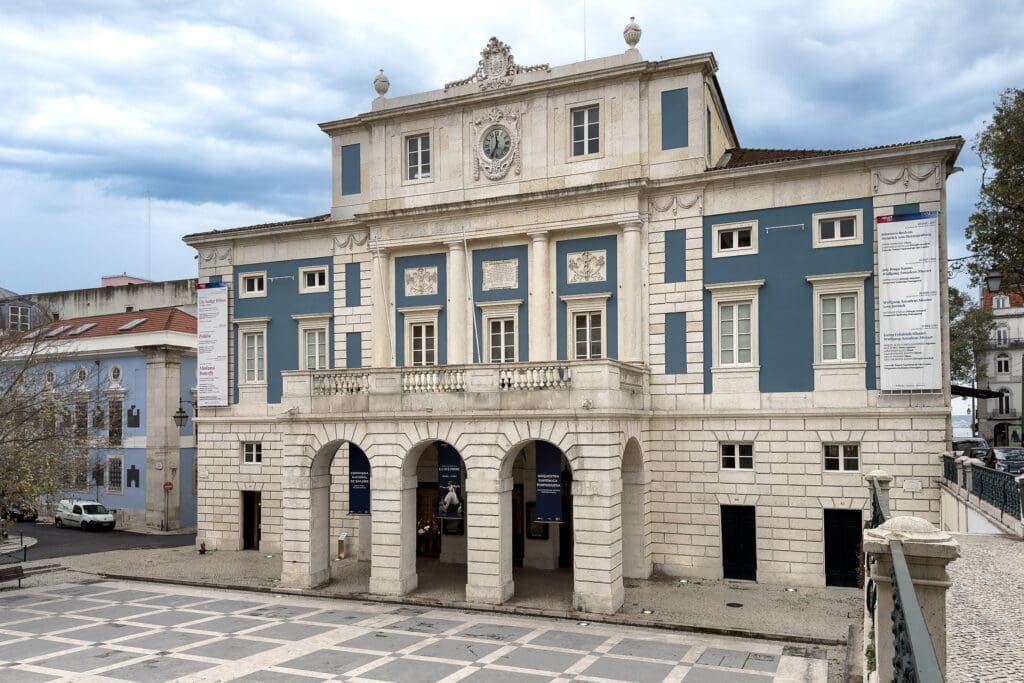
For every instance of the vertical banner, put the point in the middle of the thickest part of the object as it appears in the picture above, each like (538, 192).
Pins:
(358, 481)
(910, 335)
(212, 344)
(449, 481)
(549, 483)
(1014, 433)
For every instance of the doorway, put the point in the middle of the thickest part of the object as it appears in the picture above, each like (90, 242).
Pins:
(428, 527)
(251, 522)
(843, 530)
(739, 542)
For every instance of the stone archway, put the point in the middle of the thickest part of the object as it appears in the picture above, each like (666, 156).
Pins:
(636, 556)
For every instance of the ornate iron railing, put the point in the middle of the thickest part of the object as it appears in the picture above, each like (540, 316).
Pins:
(914, 657)
(996, 488)
(949, 469)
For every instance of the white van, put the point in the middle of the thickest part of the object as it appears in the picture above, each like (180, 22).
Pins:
(85, 514)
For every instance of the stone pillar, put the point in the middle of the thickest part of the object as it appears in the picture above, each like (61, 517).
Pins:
(962, 463)
(383, 330)
(884, 480)
(969, 471)
(928, 551)
(393, 524)
(365, 534)
(636, 559)
(163, 439)
(597, 532)
(542, 324)
(459, 331)
(630, 312)
(489, 556)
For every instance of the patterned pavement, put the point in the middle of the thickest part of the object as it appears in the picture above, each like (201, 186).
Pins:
(126, 631)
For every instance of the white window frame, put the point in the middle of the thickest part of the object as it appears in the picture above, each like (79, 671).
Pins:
(601, 121)
(19, 325)
(736, 445)
(498, 310)
(1003, 357)
(310, 322)
(421, 315)
(243, 293)
(1002, 335)
(734, 293)
(252, 452)
(116, 374)
(585, 303)
(716, 230)
(858, 228)
(306, 289)
(842, 446)
(1000, 301)
(106, 483)
(247, 326)
(405, 165)
(1005, 402)
(839, 284)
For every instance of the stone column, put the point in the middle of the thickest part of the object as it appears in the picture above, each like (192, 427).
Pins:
(636, 559)
(597, 532)
(542, 324)
(163, 440)
(969, 471)
(928, 551)
(962, 463)
(631, 274)
(393, 553)
(489, 556)
(383, 330)
(365, 534)
(458, 314)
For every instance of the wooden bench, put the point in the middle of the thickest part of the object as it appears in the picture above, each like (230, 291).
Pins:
(12, 572)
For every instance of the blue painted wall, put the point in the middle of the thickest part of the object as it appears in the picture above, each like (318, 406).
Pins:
(903, 209)
(522, 292)
(186, 493)
(675, 343)
(563, 288)
(402, 301)
(280, 304)
(785, 310)
(352, 283)
(350, 180)
(353, 349)
(675, 256)
(674, 118)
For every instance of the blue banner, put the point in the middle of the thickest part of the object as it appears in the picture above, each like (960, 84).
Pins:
(549, 483)
(449, 481)
(358, 481)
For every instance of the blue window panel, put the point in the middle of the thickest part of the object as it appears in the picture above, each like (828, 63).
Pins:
(521, 292)
(353, 349)
(402, 263)
(675, 343)
(674, 120)
(352, 284)
(901, 209)
(675, 256)
(350, 169)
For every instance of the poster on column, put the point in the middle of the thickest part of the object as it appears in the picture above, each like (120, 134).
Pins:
(549, 483)
(358, 481)
(449, 479)
(910, 335)
(212, 344)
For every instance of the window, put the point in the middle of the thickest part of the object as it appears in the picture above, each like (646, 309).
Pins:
(423, 344)
(315, 345)
(735, 330)
(734, 333)
(998, 301)
(1002, 336)
(839, 319)
(837, 228)
(252, 453)
(81, 375)
(254, 358)
(115, 429)
(842, 457)
(18, 317)
(417, 148)
(132, 324)
(737, 456)
(312, 280)
(587, 342)
(115, 374)
(499, 329)
(502, 340)
(81, 419)
(1003, 364)
(734, 239)
(252, 285)
(587, 325)
(839, 327)
(586, 131)
(1004, 402)
(114, 474)
(80, 471)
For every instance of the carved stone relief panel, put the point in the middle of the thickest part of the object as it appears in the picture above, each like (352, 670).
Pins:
(906, 178)
(502, 274)
(586, 266)
(421, 281)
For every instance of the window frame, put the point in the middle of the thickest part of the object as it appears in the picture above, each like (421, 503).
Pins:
(19, 325)
(249, 326)
(119, 440)
(817, 242)
(256, 455)
(243, 293)
(118, 490)
(737, 456)
(718, 228)
(1005, 398)
(316, 289)
(1003, 357)
(730, 293)
(1002, 335)
(585, 107)
(841, 457)
(498, 310)
(585, 303)
(310, 322)
(836, 285)
(420, 315)
(1000, 301)
(407, 167)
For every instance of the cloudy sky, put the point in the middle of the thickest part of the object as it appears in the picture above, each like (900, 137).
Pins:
(189, 116)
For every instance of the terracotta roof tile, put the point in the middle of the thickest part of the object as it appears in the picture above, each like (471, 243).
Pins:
(751, 156)
(153, 320)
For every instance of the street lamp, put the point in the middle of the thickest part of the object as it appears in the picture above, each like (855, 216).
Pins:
(180, 417)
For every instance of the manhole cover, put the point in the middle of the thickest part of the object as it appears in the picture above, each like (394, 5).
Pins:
(734, 604)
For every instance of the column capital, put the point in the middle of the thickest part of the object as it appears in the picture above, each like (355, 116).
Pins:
(539, 235)
(455, 245)
(631, 225)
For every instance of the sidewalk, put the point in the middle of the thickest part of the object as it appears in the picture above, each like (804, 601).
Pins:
(14, 545)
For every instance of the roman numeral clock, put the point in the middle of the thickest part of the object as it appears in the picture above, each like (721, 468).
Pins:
(497, 144)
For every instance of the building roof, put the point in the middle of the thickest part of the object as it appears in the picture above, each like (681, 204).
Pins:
(120, 324)
(280, 224)
(751, 156)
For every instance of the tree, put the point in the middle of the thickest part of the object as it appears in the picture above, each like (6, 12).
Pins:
(995, 233)
(970, 330)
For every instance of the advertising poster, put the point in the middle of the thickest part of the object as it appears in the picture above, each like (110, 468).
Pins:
(549, 483)
(1014, 432)
(449, 479)
(910, 333)
(358, 481)
(212, 344)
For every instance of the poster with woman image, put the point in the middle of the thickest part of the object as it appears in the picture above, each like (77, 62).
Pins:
(449, 481)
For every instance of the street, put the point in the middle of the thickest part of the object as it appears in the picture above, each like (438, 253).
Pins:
(130, 631)
(64, 542)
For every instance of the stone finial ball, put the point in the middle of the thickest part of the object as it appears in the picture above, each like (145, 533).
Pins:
(632, 33)
(381, 83)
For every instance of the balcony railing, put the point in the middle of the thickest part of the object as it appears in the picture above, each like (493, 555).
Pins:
(949, 469)
(999, 489)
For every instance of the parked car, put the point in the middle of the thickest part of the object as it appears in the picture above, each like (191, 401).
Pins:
(967, 443)
(85, 514)
(1010, 460)
(23, 512)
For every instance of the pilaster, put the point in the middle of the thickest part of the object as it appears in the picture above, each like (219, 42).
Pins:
(383, 331)
(163, 439)
(631, 270)
(542, 325)
(489, 557)
(458, 301)
(597, 536)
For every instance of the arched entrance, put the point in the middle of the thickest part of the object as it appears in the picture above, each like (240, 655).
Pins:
(1001, 434)
(636, 556)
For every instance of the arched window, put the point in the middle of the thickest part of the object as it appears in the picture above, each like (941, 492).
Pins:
(1002, 335)
(1004, 401)
(1000, 301)
(1003, 364)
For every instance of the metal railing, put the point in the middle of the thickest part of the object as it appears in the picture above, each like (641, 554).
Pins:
(999, 489)
(949, 469)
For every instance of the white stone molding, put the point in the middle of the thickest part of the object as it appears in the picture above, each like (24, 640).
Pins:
(492, 310)
(833, 375)
(858, 230)
(508, 119)
(677, 203)
(905, 175)
(308, 322)
(497, 68)
(502, 274)
(421, 281)
(215, 257)
(349, 243)
(542, 343)
(586, 266)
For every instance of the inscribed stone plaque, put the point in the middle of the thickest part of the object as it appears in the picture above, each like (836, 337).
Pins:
(587, 266)
(421, 281)
(501, 274)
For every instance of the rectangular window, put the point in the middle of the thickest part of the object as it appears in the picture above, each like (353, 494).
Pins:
(252, 453)
(734, 239)
(422, 343)
(254, 357)
(674, 118)
(80, 470)
(587, 335)
(115, 426)
(313, 280)
(837, 228)
(737, 456)
(586, 131)
(19, 318)
(839, 327)
(114, 474)
(315, 344)
(252, 285)
(502, 340)
(1003, 364)
(734, 333)
(81, 419)
(842, 457)
(417, 148)
(350, 169)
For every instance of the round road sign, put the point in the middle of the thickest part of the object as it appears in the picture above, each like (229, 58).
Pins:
(168, 486)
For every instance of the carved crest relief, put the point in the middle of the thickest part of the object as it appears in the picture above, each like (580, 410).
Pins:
(497, 67)
(211, 257)
(496, 169)
(421, 281)
(351, 241)
(586, 266)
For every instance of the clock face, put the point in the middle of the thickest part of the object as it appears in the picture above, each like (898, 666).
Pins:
(497, 143)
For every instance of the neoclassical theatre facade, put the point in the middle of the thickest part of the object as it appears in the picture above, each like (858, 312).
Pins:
(574, 278)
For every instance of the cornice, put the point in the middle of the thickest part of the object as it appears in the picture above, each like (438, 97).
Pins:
(339, 228)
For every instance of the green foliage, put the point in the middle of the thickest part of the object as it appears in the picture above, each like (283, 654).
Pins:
(995, 233)
(970, 329)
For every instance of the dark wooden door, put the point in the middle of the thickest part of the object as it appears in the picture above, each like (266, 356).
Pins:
(518, 526)
(251, 513)
(739, 542)
(843, 530)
